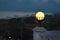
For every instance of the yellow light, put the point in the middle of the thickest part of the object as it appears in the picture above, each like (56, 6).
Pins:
(40, 15)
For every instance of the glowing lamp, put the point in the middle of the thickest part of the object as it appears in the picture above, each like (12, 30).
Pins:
(40, 16)
(9, 37)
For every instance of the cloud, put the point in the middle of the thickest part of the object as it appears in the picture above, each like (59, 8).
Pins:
(13, 14)
(40, 1)
(45, 0)
(57, 1)
(19, 0)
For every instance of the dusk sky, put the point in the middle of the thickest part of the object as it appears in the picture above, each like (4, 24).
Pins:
(52, 6)
(30, 5)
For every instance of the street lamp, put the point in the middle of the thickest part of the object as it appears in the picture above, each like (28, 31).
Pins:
(39, 30)
(40, 16)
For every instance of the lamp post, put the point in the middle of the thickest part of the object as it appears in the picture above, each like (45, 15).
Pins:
(40, 16)
(38, 30)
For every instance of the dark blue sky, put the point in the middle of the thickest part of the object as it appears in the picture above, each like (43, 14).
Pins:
(30, 5)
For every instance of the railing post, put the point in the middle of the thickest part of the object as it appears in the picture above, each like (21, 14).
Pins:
(37, 31)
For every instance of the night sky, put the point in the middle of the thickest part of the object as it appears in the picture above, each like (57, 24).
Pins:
(30, 5)
(10, 8)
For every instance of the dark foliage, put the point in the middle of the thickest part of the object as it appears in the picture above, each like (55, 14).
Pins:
(17, 27)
